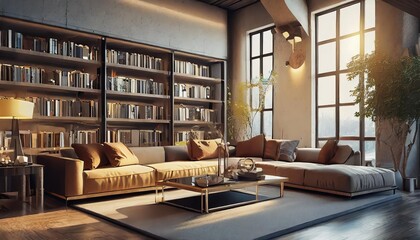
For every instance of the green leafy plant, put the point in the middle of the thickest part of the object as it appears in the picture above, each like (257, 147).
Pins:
(391, 93)
(240, 114)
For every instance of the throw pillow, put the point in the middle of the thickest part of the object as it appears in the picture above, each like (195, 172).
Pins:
(327, 151)
(203, 149)
(119, 155)
(287, 150)
(253, 147)
(92, 155)
(271, 148)
(341, 155)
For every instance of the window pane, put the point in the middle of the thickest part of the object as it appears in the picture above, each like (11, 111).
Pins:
(346, 87)
(326, 57)
(255, 45)
(326, 26)
(370, 151)
(349, 47)
(255, 98)
(267, 42)
(326, 90)
(326, 122)
(353, 144)
(369, 127)
(255, 70)
(369, 42)
(369, 13)
(256, 124)
(267, 66)
(349, 124)
(350, 19)
(268, 124)
(268, 101)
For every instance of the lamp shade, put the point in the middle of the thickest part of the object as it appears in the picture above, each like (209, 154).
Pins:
(15, 108)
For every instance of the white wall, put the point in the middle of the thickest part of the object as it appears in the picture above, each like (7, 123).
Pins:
(185, 25)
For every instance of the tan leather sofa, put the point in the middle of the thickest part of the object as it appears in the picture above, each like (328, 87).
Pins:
(66, 178)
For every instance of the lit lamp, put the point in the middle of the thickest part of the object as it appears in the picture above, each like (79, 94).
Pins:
(16, 109)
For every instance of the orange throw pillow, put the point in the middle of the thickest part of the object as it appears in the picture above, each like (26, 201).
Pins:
(271, 149)
(253, 147)
(203, 149)
(92, 155)
(119, 155)
(327, 151)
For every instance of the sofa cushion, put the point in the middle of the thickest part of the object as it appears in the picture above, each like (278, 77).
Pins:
(287, 150)
(349, 179)
(295, 171)
(148, 155)
(307, 155)
(117, 178)
(92, 155)
(327, 151)
(341, 155)
(119, 155)
(203, 149)
(178, 169)
(269, 166)
(253, 147)
(271, 149)
(176, 153)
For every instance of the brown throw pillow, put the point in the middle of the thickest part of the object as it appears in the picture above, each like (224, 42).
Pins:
(287, 150)
(327, 151)
(271, 149)
(119, 155)
(341, 155)
(92, 155)
(253, 147)
(203, 149)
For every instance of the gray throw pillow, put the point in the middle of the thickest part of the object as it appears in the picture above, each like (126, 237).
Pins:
(287, 151)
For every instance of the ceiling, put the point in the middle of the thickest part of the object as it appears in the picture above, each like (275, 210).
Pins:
(410, 6)
(231, 5)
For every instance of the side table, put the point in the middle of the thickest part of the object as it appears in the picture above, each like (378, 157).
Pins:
(23, 172)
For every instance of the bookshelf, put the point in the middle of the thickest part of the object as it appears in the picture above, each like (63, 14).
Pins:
(92, 88)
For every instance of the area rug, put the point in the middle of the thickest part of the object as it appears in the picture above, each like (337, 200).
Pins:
(263, 220)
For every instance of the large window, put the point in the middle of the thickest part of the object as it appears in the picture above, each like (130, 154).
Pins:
(261, 65)
(342, 33)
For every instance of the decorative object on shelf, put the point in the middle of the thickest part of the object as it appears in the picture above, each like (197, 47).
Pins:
(16, 109)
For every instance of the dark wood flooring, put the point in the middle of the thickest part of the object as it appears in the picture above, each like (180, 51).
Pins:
(399, 219)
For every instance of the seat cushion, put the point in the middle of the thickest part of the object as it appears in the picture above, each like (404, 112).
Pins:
(117, 178)
(349, 179)
(177, 169)
(295, 171)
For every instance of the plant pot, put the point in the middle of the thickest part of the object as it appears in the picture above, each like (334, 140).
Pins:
(409, 184)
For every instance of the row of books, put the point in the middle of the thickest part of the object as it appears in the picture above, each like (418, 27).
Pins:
(190, 68)
(192, 91)
(133, 85)
(30, 74)
(64, 108)
(135, 137)
(184, 136)
(133, 59)
(49, 139)
(134, 111)
(194, 113)
(12, 39)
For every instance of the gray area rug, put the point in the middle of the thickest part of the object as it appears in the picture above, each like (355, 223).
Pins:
(263, 220)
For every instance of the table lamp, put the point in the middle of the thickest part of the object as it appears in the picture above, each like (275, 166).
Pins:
(16, 109)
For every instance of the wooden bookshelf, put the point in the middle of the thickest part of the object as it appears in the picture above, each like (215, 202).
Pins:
(151, 63)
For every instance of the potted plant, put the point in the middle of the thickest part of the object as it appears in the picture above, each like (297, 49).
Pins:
(241, 115)
(391, 94)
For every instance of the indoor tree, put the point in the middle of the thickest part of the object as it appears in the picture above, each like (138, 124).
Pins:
(391, 93)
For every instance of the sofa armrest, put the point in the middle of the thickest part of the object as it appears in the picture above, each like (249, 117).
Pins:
(62, 176)
(354, 159)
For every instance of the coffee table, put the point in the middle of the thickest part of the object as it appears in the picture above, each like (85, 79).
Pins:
(187, 183)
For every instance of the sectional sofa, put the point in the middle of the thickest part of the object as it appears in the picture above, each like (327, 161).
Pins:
(67, 177)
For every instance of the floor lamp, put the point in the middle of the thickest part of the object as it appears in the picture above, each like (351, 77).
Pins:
(16, 109)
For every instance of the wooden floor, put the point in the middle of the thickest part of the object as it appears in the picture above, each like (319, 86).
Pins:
(399, 219)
